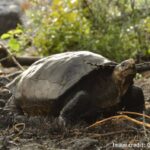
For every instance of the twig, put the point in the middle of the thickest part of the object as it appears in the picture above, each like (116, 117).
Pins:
(20, 131)
(5, 58)
(8, 54)
(16, 128)
(134, 113)
(119, 117)
(103, 121)
(141, 67)
(136, 121)
(15, 61)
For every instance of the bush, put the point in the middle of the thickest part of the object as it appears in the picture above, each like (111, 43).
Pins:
(116, 29)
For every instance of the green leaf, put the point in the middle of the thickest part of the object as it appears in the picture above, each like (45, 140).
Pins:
(14, 45)
(18, 31)
(148, 51)
(15, 31)
(5, 36)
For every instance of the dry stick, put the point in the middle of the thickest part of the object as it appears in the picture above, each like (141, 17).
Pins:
(118, 117)
(103, 121)
(16, 128)
(5, 58)
(134, 113)
(136, 121)
(13, 58)
(15, 61)
(139, 114)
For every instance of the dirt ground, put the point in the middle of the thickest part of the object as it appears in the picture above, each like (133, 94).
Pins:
(37, 133)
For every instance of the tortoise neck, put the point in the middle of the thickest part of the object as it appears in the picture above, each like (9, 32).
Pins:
(122, 83)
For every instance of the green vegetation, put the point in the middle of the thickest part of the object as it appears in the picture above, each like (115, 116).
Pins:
(13, 42)
(117, 29)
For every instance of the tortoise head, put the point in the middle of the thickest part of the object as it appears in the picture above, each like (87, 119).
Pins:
(124, 73)
(125, 69)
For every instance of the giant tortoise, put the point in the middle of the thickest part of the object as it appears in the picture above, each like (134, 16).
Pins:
(75, 85)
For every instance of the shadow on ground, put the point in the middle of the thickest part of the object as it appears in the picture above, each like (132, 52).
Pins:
(37, 133)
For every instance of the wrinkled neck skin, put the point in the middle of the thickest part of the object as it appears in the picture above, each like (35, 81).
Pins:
(123, 81)
(105, 91)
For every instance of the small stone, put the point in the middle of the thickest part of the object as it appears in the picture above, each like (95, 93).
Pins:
(2, 103)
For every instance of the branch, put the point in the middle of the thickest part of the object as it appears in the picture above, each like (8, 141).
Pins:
(134, 113)
(9, 60)
(15, 61)
(118, 117)
(143, 67)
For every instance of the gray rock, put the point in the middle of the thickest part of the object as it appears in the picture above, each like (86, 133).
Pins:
(10, 15)
(4, 81)
(5, 94)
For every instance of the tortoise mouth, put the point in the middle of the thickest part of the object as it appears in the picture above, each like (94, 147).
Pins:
(130, 70)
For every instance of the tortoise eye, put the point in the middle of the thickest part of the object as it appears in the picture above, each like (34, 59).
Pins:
(123, 65)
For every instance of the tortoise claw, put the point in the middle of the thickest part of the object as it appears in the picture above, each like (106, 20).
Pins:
(61, 121)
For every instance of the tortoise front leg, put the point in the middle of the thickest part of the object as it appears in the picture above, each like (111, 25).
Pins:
(75, 108)
(133, 100)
